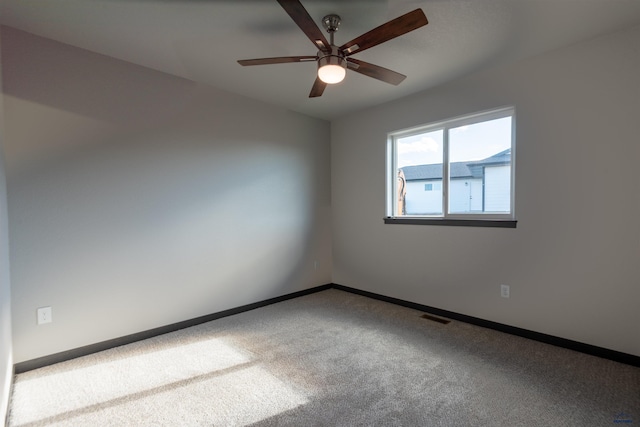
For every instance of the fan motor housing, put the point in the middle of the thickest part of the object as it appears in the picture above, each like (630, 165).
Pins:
(333, 57)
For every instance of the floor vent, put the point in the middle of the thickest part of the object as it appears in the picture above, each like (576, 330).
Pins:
(435, 319)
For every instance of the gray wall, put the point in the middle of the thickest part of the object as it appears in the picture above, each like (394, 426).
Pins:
(138, 199)
(573, 260)
(6, 360)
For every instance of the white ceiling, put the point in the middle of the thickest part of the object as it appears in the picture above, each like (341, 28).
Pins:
(202, 39)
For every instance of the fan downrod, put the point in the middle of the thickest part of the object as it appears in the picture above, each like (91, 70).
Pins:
(331, 24)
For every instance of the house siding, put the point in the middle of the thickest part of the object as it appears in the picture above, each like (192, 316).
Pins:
(497, 189)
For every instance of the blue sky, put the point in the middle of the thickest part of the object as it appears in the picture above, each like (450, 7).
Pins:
(467, 143)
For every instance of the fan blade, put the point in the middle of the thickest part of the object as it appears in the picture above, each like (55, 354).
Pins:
(276, 60)
(301, 17)
(375, 71)
(392, 29)
(318, 88)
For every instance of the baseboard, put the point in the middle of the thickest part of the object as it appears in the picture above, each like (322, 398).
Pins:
(605, 353)
(128, 339)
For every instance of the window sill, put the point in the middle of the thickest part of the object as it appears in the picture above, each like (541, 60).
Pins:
(500, 223)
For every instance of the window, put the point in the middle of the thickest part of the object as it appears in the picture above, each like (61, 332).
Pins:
(454, 172)
(437, 186)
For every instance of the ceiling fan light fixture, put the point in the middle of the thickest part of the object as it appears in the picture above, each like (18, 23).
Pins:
(332, 67)
(332, 74)
(332, 60)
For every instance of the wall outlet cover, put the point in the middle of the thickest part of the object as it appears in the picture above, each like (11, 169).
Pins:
(44, 315)
(504, 291)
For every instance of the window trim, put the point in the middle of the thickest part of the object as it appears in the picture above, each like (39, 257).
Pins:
(426, 220)
(507, 220)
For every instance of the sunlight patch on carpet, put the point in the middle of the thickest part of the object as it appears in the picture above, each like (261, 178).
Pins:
(237, 398)
(43, 397)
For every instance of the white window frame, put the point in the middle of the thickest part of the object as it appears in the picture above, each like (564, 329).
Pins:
(474, 219)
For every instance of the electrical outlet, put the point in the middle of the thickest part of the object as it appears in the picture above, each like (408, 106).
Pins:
(44, 315)
(504, 291)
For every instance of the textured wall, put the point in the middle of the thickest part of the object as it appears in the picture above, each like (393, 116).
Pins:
(572, 262)
(138, 199)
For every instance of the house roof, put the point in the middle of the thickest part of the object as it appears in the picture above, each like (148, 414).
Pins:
(503, 157)
(434, 171)
(457, 169)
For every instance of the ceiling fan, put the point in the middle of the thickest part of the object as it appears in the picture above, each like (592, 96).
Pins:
(332, 60)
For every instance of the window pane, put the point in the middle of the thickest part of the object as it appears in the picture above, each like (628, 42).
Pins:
(480, 167)
(419, 162)
(461, 168)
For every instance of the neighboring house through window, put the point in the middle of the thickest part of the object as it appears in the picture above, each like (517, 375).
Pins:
(481, 186)
(464, 164)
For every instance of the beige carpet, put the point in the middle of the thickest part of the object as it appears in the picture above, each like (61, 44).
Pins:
(330, 359)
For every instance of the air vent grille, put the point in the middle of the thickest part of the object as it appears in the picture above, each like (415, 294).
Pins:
(435, 319)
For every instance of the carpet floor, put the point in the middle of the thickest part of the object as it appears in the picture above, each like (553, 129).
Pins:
(330, 359)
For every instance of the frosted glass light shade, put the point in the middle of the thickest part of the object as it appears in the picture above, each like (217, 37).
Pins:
(332, 66)
(331, 73)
